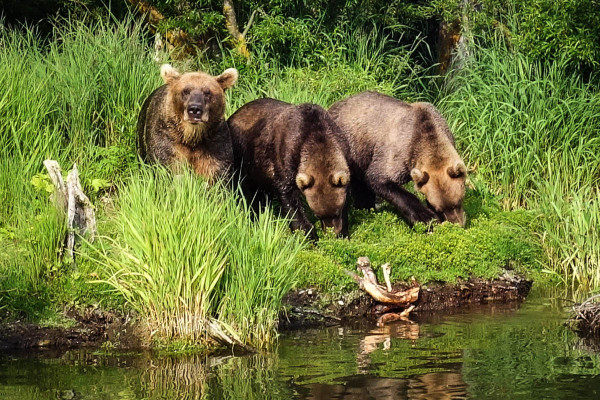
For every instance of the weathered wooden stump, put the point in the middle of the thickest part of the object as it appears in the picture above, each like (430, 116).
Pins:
(70, 199)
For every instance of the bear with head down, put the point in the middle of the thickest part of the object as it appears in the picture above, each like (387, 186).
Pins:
(392, 142)
(293, 152)
(183, 122)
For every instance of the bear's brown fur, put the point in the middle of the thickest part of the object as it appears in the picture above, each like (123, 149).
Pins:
(183, 121)
(390, 143)
(293, 150)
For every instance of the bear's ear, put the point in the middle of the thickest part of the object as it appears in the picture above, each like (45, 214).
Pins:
(304, 181)
(457, 170)
(340, 178)
(419, 177)
(168, 73)
(228, 78)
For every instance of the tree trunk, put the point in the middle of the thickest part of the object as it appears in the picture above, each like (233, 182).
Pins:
(178, 41)
(454, 38)
(232, 26)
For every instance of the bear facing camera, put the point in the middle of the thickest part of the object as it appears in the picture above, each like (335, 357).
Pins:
(183, 122)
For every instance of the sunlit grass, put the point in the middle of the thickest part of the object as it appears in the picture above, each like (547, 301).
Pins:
(532, 131)
(185, 253)
(529, 131)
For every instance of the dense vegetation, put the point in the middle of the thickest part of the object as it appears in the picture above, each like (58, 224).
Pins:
(526, 119)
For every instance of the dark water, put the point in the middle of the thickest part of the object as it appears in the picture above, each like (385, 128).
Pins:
(492, 352)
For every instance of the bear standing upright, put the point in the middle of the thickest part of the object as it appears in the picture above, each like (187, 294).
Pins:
(183, 121)
(390, 143)
(290, 151)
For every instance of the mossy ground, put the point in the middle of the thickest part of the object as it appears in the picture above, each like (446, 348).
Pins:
(492, 241)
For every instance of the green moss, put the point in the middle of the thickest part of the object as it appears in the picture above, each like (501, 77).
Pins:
(493, 241)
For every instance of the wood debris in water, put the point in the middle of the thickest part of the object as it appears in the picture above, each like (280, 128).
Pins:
(385, 294)
(587, 316)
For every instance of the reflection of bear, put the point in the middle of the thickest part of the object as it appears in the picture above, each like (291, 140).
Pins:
(183, 121)
(291, 150)
(392, 142)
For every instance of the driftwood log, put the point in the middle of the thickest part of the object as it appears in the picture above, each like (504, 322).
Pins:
(587, 317)
(385, 294)
(70, 199)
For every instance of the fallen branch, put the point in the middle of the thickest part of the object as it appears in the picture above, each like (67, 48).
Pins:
(369, 284)
(385, 295)
(214, 330)
(386, 276)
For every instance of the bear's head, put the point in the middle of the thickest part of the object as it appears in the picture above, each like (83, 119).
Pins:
(323, 178)
(323, 175)
(197, 99)
(444, 189)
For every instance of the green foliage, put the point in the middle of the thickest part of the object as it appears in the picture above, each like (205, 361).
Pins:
(493, 241)
(42, 182)
(531, 130)
(526, 128)
(73, 99)
(544, 30)
(186, 252)
(202, 19)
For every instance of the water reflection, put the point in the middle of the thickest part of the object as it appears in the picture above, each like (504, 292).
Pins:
(430, 386)
(408, 330)
(493, 352)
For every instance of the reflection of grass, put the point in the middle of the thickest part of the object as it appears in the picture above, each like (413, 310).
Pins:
(252, 377)
(492, 241)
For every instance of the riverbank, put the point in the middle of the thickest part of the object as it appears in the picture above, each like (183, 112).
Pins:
(514, 350)
(303, 308)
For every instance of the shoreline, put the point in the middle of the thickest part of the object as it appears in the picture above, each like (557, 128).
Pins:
(303, 308)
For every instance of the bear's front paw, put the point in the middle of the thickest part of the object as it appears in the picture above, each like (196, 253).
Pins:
(425, 215)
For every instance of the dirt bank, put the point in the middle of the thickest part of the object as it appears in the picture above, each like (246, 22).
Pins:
(302, 308)
(308, 307)
(93, 328)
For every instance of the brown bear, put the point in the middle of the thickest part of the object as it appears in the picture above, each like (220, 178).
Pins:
(390, 143)
(289, 151)
(183, 121)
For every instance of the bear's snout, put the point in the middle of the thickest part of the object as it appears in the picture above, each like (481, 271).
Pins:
(334, 222)
(196, 113)
(456, 216)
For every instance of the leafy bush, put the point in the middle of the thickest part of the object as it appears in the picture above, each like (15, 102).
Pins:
(531, 130)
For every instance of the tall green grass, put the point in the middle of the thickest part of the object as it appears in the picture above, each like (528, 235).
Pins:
(185, 253)
(532, 131)
(72, 98)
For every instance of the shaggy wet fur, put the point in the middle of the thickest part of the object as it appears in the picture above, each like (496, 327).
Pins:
(169, 136)
(292, 151)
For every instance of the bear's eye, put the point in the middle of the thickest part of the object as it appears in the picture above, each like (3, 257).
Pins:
(186, 91)
(207, 94)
